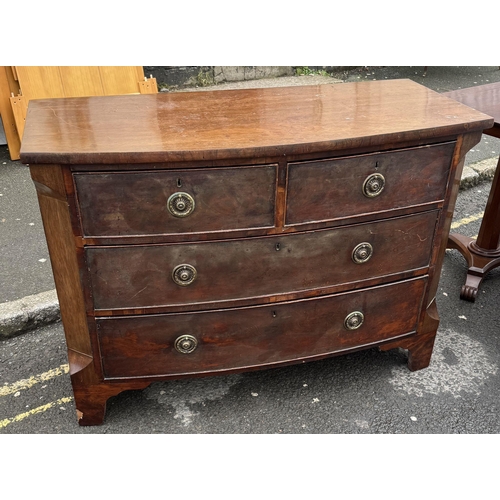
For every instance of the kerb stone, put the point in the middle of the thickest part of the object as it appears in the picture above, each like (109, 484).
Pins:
(28, 313)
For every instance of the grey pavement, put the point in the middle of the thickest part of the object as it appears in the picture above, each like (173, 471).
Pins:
(361, 393)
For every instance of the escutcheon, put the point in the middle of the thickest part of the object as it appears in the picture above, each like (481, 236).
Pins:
(185, 344)
(354, 320)
(180, 204)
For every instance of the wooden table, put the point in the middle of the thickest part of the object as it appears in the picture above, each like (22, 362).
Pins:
(482, 254)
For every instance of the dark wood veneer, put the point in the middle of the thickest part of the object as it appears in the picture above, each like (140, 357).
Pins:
(142, 346)
(225, 199)
(137, 276)
(276, 175)
(482, 254)
(219, 125)
(332, 189)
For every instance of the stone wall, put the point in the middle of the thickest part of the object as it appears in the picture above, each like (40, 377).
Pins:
(188, 76)
(241, 73)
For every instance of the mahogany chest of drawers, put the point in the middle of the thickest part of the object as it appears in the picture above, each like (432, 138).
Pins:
(205, 233)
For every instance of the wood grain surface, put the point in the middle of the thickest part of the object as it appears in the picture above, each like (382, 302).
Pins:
(211, 125)
(484, 98)
(138, 276)
(333, 189)
(136, 203)
(232, 339)
(277, 177)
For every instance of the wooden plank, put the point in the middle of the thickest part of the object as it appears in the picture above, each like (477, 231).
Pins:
(118, 80)
(139, 72)
(81, 81)
(148, 86)
(9, 86)
(19, 109)
(40, 82)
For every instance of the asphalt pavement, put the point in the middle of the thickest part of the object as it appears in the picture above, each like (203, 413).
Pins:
(368, 392)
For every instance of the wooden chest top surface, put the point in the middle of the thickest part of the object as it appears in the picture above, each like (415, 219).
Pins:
(217, 125)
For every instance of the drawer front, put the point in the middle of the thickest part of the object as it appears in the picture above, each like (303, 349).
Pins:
(184, 201)
(332, 189)
(143, 276)
(228, 339)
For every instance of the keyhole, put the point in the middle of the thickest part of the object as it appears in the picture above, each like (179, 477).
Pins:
(274, 314)
(278, 247)
(179, 183)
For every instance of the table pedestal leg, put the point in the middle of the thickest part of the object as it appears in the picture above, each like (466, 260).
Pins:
(483, 254)
(479, 265)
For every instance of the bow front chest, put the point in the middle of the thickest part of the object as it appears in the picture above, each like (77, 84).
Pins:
(211, 232)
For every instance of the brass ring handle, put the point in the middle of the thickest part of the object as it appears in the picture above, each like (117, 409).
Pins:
(374, 184)
(354, 320)
(180, 204)
(184, 274)
(362, 253)
(185, 344)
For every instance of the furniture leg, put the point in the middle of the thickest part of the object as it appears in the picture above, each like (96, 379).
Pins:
(420, 346)
(91, 394)
(483, 254)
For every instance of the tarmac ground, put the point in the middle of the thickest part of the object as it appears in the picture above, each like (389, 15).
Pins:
(368, 392)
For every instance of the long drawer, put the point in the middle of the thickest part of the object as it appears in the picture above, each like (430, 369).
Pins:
(209, 272)
(374, 183)
(176, 201)
(210, 341)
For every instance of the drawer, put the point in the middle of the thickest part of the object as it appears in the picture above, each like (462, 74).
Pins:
(230, 339)
(182, 201)
(138, 276)
(333, 189)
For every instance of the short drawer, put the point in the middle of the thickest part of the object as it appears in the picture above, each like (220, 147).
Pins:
(354, 186)
(131, 277)
(188, 343)
(170, 202)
